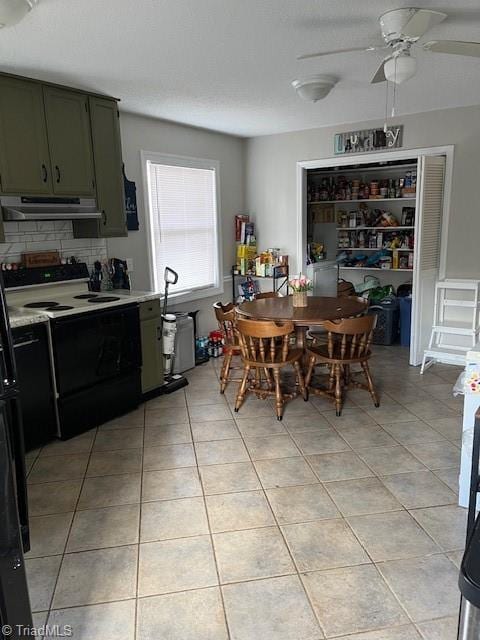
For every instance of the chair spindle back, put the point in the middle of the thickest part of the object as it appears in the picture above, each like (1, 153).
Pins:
(226, 318)
(350, 338)
(259, 340)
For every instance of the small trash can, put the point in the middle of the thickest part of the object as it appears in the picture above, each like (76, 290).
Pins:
(469, 584)
(405, 320)
(184, 343)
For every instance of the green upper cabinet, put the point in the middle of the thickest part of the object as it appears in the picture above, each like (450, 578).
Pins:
(24, 157)
(107, 154)
(69, 141)
(57, 141)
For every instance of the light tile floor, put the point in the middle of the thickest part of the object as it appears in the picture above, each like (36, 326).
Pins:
(186, 521)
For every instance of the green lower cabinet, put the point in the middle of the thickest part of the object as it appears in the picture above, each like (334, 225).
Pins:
(152, 359)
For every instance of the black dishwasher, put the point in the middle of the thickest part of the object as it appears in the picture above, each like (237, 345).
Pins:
(35, 384)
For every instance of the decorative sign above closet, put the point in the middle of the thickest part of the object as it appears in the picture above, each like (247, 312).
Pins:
(365, 140)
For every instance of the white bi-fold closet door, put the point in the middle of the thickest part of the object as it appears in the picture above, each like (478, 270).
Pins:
(428, 228)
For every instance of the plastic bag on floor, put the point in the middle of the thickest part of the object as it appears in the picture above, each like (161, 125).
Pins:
(459, 386)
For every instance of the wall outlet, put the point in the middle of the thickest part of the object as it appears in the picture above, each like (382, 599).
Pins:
(130, 264)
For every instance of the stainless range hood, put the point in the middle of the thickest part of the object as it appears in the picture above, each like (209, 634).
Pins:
(48, 208)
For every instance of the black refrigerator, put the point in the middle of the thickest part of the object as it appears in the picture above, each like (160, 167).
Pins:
(15, 611)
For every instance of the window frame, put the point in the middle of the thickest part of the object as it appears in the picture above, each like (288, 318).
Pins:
(194, 163)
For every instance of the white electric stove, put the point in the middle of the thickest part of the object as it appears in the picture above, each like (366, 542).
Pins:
(94, 338)
(64, 299)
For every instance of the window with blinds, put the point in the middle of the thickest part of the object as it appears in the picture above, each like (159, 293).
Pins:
(183, 223)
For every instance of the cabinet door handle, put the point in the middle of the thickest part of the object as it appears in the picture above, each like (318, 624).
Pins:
(57, 172)
(44, 173)
(104, 217)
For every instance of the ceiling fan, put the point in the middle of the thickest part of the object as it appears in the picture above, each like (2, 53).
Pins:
(401, 29)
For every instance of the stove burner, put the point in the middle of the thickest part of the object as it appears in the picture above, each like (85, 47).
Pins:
(104, 299)
(86, 296)
(40, 305)
(59, 307)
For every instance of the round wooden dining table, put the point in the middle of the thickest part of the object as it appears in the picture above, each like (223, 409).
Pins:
(314, 314)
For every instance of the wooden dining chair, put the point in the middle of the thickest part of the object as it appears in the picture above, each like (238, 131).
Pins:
(265, 347)
(319, 335)
(348, 343)
(345, 288)
(267, 294)
(226, 318)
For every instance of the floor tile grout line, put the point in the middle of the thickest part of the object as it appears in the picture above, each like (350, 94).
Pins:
(70, 528)
(269, 526)
(217, 571)
(137, 576)
(419, 459)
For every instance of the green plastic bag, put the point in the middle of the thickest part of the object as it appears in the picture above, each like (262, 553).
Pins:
(379, 293)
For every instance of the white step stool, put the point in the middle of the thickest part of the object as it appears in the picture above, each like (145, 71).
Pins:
(441, 347)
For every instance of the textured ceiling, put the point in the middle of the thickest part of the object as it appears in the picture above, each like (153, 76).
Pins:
(227, 64)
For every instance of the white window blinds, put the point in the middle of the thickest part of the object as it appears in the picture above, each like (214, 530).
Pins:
(183, 213)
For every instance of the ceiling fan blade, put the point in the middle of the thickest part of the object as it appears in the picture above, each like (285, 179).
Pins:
(421, 21)
(379, 74)
(454, 46)
(306, 56)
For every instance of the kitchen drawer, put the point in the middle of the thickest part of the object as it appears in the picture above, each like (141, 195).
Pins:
(150, 309)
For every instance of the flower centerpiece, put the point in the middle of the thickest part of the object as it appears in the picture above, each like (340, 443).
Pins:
(300, 286)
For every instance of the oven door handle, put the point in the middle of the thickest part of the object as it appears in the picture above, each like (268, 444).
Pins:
(8, 377)
(19, 345)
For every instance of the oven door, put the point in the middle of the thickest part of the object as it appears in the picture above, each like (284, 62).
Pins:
(96, 346)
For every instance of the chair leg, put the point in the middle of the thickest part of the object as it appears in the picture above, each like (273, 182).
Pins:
(311, 367)
(278, 394)
(268, 379)
(257, 378)
(331, 380)
(242, 389)
(371, 388)
(338, 389)
(225, 372)
(300, 380)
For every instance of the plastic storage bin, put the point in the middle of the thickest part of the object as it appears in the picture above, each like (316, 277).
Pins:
(405, 320)
(386, 331)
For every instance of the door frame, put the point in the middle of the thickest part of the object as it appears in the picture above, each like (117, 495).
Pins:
(339, 161)
(381, 156)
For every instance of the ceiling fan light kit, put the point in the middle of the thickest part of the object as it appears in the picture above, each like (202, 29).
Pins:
(400, 68)
(314, 88)
(12, 11)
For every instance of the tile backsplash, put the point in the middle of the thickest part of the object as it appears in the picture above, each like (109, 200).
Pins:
(47, 235)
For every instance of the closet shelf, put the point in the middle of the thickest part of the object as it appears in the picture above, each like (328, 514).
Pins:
(371, 200)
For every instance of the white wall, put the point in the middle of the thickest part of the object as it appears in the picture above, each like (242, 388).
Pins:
(271, 178)
(142, 133)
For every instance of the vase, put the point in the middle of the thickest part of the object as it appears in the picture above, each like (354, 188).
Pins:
(300, 299)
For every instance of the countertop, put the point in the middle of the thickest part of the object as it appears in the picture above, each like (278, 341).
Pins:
(136, 296)
(20, 317)
(24, 318)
